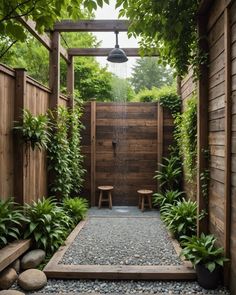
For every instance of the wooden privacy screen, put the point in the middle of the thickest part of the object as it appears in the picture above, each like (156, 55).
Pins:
(26, 180)
(220, 121)
(121, 142)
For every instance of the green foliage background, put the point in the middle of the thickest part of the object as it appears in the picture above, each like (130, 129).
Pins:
(165, 26)
(148, 73)
(186, 137)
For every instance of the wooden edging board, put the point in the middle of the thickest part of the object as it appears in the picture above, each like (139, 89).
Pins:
(114, 272)
(13, 251)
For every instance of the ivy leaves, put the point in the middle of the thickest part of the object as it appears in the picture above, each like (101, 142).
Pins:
(59, 133)
(66, 160)
(76, 157)
(59, 152)
(186, 137)
(167, 26)
(43, 12)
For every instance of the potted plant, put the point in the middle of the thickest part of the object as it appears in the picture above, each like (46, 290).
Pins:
(206, 258)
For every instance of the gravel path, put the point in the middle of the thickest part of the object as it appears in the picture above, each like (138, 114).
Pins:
(127, 287)
(116, 234)
(122, 241)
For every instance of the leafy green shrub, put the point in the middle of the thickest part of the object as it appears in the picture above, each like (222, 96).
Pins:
(76, 208)
(166, 95)
(147, 95)
(59, 153)
(35, 130)
(65, 157)
(168, 98)
(168, 197)
(186, 137)
(202, 250)
(180, 218)
(48, 224)
(75, 156)
(11, 219)
(170, 173)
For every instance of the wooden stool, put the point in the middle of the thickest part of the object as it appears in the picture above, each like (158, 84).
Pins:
(143, 195)
(107, 189)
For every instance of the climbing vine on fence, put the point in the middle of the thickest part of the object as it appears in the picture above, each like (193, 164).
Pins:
(186, 137)
(59, 153)
(76, 158)
(65, 158)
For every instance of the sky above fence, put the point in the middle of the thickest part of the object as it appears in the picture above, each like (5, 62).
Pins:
(108, 40)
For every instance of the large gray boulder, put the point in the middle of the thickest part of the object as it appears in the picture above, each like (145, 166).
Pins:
(7, 278)
(11, 292)
(32, 279)
(32, 259)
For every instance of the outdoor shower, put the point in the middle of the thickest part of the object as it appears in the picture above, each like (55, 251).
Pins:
(117, 55)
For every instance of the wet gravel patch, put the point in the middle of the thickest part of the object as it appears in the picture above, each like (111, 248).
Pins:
(126, 287)
(123, 211)
(122, 241)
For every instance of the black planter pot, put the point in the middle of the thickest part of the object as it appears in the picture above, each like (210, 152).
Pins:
(207, 279)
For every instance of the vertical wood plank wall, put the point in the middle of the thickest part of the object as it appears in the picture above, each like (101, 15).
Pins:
(219, 70)
(35, 173)
(135, 155)
(7, 95)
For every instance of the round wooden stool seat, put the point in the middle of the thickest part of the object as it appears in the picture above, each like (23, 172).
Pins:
(103, 189)
(144, 194)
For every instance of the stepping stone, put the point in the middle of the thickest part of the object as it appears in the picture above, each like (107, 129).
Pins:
(7, 278)
(32, 279)
(33, 259)
(11, 292)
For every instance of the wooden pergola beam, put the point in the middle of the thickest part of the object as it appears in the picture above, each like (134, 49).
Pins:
(204, 6)
(102, 51)
(92, 26)
(42, 38)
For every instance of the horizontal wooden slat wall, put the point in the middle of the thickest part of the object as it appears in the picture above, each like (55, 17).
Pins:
(216, 111)
(218, 99)
(126, 148)
(233, 149)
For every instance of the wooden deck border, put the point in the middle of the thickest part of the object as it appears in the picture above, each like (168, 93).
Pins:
(115, 272)
(12, 251)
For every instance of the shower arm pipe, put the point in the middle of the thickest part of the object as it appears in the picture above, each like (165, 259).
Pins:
(117, 45)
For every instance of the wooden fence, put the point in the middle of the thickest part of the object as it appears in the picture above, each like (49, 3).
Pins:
(219, 119)
(122, 144)
(25, 179)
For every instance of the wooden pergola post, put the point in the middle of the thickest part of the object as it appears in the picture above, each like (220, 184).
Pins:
(70, 82)
(228, 139)
(202, 126)
(19, 146)
(159, 140)
(93, 153)
(54, 70)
